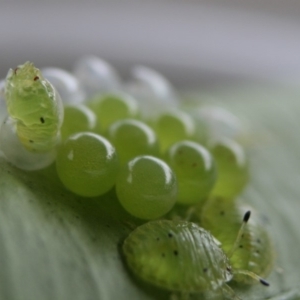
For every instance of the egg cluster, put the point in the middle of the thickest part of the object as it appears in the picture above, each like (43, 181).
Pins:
(161, 156)
(135, 136)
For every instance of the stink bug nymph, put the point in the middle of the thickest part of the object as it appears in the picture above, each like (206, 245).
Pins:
(182, 257)
(35, 106)
(255, 250)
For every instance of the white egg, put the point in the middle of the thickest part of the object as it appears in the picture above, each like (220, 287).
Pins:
(154, 92)
(14, 152)
(219, 122)
(66, 84)
(96, 75)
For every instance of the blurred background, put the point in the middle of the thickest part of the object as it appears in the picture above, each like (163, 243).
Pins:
(196, 44)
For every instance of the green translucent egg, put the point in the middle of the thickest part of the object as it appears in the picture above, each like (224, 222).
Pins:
(87, 164)
(77, 118)
(113, 107)
(132, 138)
(146, 187)
(195, 171)
(172, 127)
(232, 168)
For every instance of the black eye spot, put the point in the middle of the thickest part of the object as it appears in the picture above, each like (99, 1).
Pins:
(222, 213)
(241, 246)
(36, 78)
(170, 235)
(175, 252)
(31, 141)
(258, 240)
(157, 239)
(42, 120)
(205, 270)
(163, 255)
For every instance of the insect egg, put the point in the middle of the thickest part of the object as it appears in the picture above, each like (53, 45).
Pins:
(219, 122)
(16, 154)
(66, 84)
(87, 164)
(173, 126)
(96, 75)
(195, 170)
(232, 166)
(132, 138)
(77, 118)
(153, 91)
(146, 187)
(110, 108)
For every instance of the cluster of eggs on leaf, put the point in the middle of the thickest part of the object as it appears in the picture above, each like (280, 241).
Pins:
(100, 126)
(136, 137)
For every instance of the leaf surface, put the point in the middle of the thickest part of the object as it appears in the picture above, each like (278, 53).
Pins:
(54, 245)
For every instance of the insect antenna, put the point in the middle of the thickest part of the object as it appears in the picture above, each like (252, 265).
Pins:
(235, 246)
(252, 275)
(240, 233)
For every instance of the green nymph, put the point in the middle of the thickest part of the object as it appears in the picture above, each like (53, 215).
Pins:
(35, 106)
(181, 256)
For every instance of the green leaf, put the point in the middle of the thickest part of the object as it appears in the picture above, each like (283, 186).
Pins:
(54, 245)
